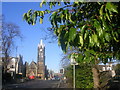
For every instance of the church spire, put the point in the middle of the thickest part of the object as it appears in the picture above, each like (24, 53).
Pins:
(41, 42)
(41, 60)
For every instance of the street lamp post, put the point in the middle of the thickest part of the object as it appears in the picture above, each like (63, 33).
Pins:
(74, 75)
(73, 62)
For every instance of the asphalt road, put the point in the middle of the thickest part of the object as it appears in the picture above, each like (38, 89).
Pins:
(34, 84)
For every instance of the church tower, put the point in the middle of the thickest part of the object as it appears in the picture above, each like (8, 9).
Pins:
(41, 60)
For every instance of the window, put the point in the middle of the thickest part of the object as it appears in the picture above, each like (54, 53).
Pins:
(12, 66)
(103, 68)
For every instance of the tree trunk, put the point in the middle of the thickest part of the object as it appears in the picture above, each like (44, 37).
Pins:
(96, 77)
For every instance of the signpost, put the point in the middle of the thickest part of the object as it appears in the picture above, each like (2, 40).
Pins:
(62, 70)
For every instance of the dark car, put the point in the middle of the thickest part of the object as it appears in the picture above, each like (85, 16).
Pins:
(57, 78)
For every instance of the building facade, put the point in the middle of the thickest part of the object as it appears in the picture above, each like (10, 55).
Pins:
(107, 68)
(41, 60)
(32, 69)
(38, 69)
(15, 65)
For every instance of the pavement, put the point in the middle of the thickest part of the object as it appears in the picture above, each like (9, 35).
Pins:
(63, 84)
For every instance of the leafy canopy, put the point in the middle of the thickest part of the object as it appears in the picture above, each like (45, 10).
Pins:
(92, 27)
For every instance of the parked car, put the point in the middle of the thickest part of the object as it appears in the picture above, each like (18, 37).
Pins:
(53, 78)
(57, 78)
(32, 77)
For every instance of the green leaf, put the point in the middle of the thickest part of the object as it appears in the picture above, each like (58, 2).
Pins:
(111, 7)
(92, 52)
(79, 58)
(90, 40)
(115, 36)
(107, 36)
(70, 16)
(59, 3)
(105, 26)
(72, 34)
(43, 2)
(59, 41)
(48, 11)
(66, 36)
(86, 34)
(29, 12)
(101, 10)
(63, 46)
(67, 14)
(61, 9)
(41, 20)
(59, 19)
(87, 56)
(107, 15)
(25, 16)
(65, 3)
(81, 40)
(51, 5)
(42, 13)
(62, 40)
(34, 16)
(76, 2)
(98, 28)
(94, 37)
(83, 29)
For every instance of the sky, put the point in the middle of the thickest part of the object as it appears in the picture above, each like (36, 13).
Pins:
(27, 47)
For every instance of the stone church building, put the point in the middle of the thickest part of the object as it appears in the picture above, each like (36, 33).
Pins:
(38, 69)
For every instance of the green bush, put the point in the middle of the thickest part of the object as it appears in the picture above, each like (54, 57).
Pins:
(84, 78)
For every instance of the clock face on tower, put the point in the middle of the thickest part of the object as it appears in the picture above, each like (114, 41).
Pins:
(40, 49)
(41, 53)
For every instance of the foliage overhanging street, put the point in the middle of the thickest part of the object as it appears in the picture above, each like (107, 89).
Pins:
(93, 28)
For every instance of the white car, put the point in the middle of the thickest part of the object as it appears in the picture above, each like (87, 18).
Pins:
(53, 79)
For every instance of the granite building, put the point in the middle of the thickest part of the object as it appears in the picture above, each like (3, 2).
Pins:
(41, 60)
(38, 69)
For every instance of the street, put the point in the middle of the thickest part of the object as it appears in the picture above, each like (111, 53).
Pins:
(34, 84)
